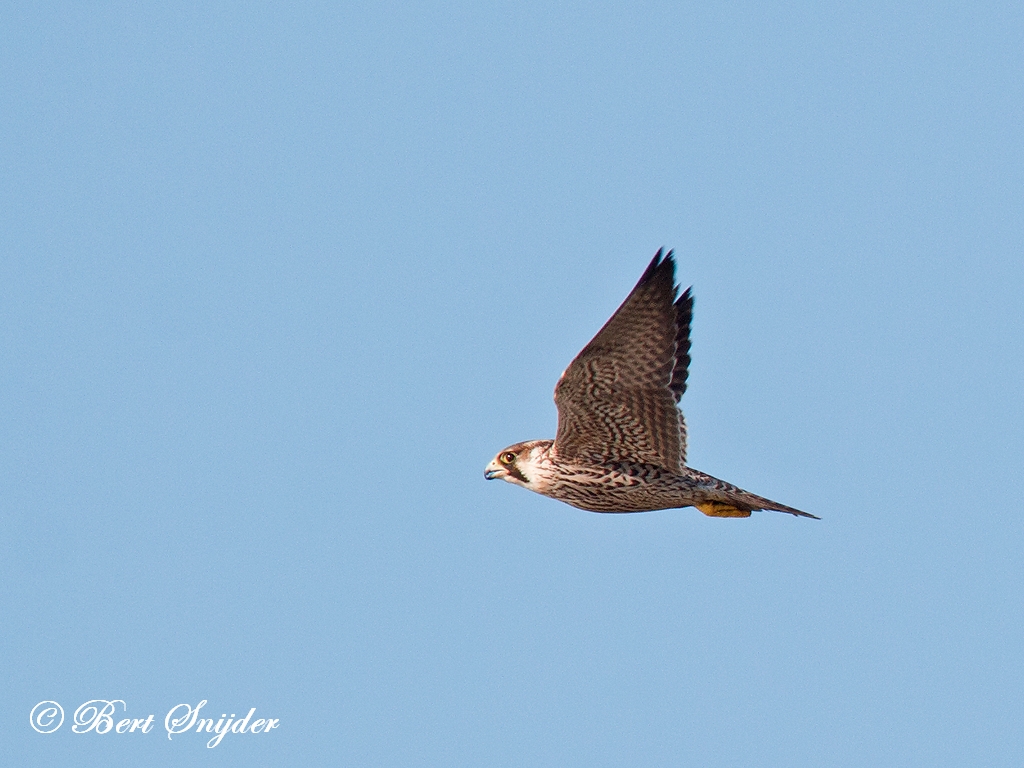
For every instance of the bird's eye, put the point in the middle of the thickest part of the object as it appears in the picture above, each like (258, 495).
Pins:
(508, 458)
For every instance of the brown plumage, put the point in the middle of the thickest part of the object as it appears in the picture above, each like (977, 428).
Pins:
(621, 441)
(617, 400)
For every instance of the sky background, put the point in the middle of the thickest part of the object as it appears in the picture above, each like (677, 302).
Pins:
(278, 280)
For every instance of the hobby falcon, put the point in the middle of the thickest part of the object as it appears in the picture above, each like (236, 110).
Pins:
(621, 440)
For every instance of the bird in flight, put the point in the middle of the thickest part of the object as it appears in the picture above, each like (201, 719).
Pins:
(621, 440)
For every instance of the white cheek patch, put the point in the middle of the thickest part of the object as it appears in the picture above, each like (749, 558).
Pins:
(519, 473)
(536, 468)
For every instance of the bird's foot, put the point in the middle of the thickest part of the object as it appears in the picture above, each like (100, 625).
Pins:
(721, 509)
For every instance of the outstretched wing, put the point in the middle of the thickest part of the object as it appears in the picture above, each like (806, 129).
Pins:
(617, 400)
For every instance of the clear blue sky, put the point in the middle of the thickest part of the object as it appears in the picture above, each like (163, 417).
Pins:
(278, 280)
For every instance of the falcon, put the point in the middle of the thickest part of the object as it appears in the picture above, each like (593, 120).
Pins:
(621, 440)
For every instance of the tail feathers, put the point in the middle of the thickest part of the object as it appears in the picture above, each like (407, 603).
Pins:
(723, 499)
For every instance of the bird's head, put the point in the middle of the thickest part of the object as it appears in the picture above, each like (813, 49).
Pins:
(523, 464)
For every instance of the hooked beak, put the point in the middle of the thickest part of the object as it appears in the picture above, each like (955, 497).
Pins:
(494, 471)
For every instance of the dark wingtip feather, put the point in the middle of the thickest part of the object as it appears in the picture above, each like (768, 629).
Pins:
(684, 317)
(663, 269)
(660, 264)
